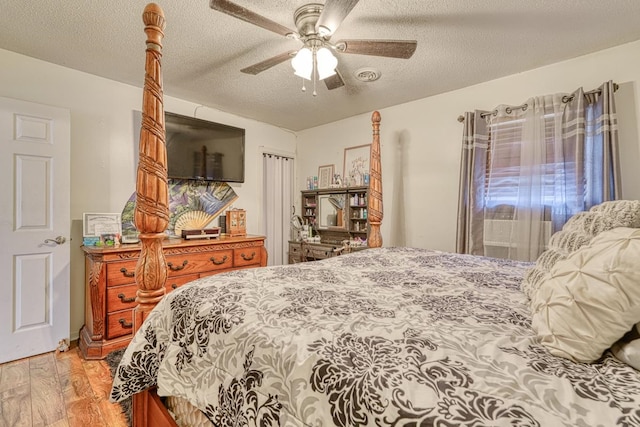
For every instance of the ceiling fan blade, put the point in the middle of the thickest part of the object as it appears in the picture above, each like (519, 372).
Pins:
(333, 13)
(268, 63)
(335, 81)
(389, 48)
(246, 15)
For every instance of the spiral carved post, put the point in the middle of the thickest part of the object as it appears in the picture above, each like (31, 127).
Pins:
(374, 204)
(152, 201)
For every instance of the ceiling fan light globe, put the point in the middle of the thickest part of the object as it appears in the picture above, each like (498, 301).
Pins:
(327, 63)
(302, 63)
(304, 75)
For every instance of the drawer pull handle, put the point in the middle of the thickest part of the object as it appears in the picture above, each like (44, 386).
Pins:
(177, 267)
(213, 260)
(125, 324)
(127, 273)
(248, 258)
(123, 298)
(174, 286)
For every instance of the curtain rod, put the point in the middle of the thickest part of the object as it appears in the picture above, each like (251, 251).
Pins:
(523, 107)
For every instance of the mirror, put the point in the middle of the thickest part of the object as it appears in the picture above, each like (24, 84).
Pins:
(296, 222)
(331, 211)
(297, 226)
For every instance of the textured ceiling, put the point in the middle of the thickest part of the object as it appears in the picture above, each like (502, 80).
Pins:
(460, 43)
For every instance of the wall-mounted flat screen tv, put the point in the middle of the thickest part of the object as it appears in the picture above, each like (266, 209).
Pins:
(202, 150)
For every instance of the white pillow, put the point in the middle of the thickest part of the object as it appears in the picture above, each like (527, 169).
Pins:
(591, 298)
(628, 349)
(578, 232)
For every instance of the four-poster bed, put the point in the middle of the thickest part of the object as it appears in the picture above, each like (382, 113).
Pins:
(152, 201)
(386, 336)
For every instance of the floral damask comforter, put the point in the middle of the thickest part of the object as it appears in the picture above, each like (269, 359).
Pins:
(382, 337)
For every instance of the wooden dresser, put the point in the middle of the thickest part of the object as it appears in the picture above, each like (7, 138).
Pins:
(303, 251)
(110, 288)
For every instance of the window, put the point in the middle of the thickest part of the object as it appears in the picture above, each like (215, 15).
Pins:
(506, 173)
(526, 170)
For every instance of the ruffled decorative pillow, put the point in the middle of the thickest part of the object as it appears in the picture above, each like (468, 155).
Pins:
(578, 231)
(591, 298)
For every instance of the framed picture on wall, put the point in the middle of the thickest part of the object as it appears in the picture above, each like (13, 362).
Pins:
(356, 165)
(325, 176)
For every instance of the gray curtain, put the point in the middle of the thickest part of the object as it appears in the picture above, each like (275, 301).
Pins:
(585, 135)
(469, 239)
(590, 138)
(604, 164)
(573, 143)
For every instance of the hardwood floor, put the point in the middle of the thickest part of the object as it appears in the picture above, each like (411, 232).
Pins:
(57, 389)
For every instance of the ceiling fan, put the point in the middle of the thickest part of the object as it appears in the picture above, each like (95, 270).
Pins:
(315, 24)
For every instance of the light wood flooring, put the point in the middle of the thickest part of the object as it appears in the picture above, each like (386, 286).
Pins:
(57, 389)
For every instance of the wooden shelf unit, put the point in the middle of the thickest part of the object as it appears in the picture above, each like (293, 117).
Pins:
(353, 224)
(110, 288)
(309, 204)
(355, 210)
(357, 213)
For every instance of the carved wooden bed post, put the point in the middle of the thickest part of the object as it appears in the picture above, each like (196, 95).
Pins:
(374, 204)
(152, 201)
(152, 204)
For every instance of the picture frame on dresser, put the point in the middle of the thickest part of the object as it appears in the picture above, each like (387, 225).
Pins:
(94, 224)
(325, 176)
(356, 165)
(98, 228)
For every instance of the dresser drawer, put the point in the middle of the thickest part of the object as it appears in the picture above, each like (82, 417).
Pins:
(199, 263)
(299, 252)
(220, 260)
(121, 297)
(246, 256)
(320, 252)
(295, 249)
(119, 323)
(295, 253)
(176, 282)
(121, 272)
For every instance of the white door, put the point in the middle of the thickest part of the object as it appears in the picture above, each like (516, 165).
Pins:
(35, 224)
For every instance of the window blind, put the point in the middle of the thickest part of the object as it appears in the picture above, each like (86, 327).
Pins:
(504, 164)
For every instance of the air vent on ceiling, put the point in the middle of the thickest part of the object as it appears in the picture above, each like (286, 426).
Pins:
(367, 74)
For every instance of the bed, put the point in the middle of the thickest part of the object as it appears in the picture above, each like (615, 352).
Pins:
(380, 337)
(385, 337)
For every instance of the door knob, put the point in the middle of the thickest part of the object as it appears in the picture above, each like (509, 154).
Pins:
(58, 240)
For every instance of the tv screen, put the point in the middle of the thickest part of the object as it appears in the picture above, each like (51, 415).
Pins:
(202, 150)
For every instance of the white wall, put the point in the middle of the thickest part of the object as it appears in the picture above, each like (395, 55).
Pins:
(421, 141)
(103, 152)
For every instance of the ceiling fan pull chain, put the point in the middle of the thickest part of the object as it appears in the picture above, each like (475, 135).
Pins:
(304, 89)
(314, 71)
